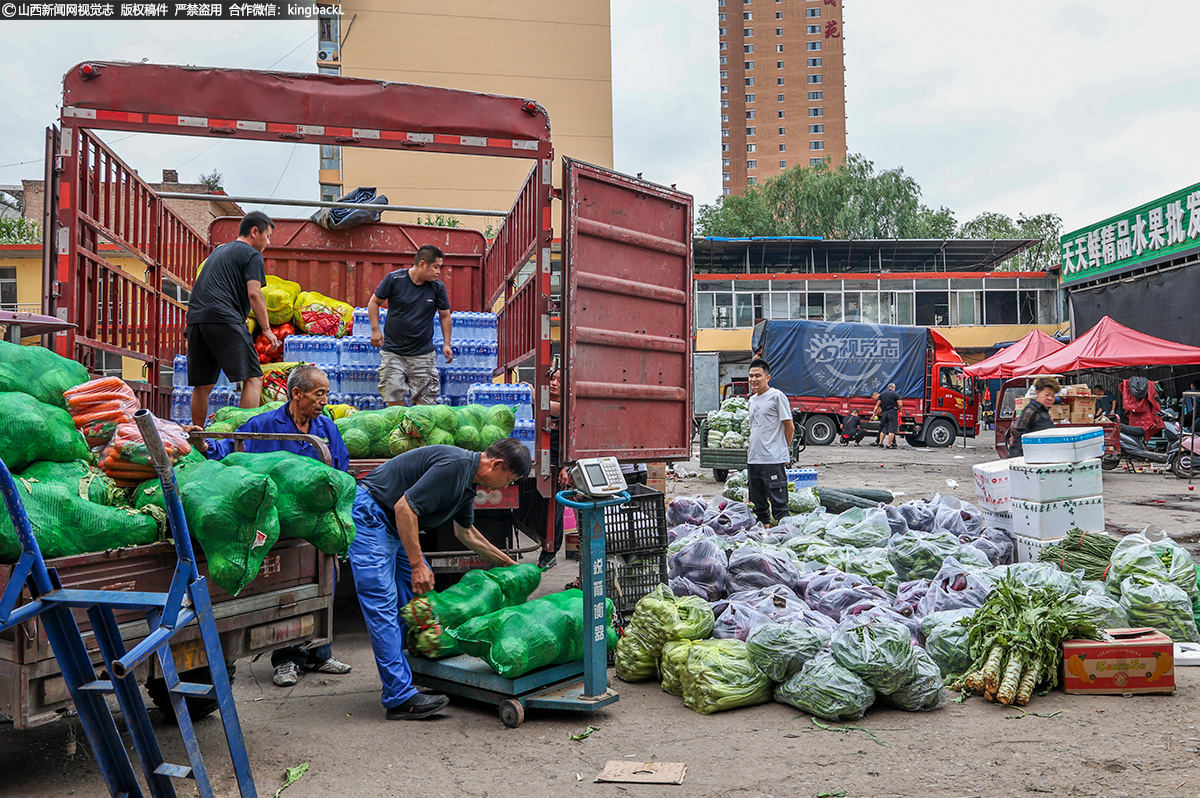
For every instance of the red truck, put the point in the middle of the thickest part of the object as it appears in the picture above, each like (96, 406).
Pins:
(625, 305)
(828, 369)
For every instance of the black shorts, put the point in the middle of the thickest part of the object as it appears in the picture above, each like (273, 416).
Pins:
(889, 422)
(213, 348)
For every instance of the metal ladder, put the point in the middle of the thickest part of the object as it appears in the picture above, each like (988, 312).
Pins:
(166, 614)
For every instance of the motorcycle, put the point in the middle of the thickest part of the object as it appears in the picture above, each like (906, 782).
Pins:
(1134, 449)
(1182, 447)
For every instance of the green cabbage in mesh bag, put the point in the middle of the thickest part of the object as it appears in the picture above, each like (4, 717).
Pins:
(314, 500)
(720, 676)
(230, 419)
(87, 481)
(425, 420)
(65, 522)
(38, 372)
(358, 443)
(659, 616)
(478, 593)
(468, 438)
(545, 631)
(400, 442)
(502, 416)
(491, 434)
(231, 512)
(439, 437)
(31, 431)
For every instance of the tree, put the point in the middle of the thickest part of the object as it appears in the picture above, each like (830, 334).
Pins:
(212, 181)
(1046, 227)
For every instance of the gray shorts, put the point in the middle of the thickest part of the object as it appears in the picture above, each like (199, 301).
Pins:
(414, 377)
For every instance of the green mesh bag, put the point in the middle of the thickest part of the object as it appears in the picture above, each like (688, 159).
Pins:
(502, 416)
(31, 431)
(66, 523)
(231, 512)
(314, 500)
(400, 442)
(365, 433)
(545, 631)
(85, 480)
(38, 372)
(478, 593)
(230, 419)
(426, 421)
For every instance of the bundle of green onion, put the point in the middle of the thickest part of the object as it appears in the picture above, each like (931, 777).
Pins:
(1090, 552)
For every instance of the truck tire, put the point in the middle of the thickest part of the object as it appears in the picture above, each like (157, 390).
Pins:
(820, 430)
(197, 707)
(720, 474)
(940, 434)
(914, 441)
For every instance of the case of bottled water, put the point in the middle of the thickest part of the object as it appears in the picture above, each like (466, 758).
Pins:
(334, 374)
(525, 432)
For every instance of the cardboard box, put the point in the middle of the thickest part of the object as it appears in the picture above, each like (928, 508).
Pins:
(656, 476)
(1077, 390)
(1130, 661)
(1019, 404)
(1060, 412)
(1083, 410)
(571, 545)
(1029, 549)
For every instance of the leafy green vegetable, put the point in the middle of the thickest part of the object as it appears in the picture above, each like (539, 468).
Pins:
(720, 676)
(826, 689)
(923, 693)
(878, 651)
(780, 649)
(659, 616)
(291, 776)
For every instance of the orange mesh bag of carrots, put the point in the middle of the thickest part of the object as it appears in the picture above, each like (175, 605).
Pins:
(127, 459)
(98, 406)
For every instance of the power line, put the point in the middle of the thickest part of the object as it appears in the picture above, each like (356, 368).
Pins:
(285, 168)
(19, 163)
(294, 49)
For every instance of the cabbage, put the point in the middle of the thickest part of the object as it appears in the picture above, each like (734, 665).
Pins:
(489, 435)
(501, 416)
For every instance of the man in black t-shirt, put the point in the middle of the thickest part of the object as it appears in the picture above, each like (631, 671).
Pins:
(408, 365)
(888, 409)
(418, 490)
(228, 287)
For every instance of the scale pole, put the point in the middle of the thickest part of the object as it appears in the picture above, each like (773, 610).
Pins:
(592, 557)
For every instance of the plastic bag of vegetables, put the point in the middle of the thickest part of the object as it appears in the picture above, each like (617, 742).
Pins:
(1040, 574)
(686, 510)
(752, 567)
(872, 564)
(728, 517)
(659, 616)
(947, 641)
(672, 663)
(1163, 605)
(736, 620)
(802, 501)
(835, 603)
(953, 588)
(1151, 555)
(918, 516)
(703, 564)
(1108, 611)
(780, 649)
(827, 690)
(895, 519)
(815, 584)
(919, 555)
(923, 693)
(881, 653)
(872, 530)
(720, 676)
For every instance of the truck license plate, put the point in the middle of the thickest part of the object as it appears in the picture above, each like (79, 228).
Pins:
(189, 655)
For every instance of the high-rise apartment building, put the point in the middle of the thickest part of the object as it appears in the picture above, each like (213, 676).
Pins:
(783, 87)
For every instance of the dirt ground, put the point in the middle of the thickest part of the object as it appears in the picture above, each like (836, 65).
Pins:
(1072, 746)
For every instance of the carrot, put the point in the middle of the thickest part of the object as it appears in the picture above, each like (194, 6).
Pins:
(102, 383)
(120, 398)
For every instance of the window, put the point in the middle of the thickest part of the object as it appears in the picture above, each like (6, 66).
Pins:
(783, 146)
(783, 164)
(330, 192)
(327, 29)
(749, 98)
(724, 74)
(812, 13)
(779, 97)
(933, 308)
(721, 31)
(725, 177)
(779, 65)
(724, 117)
(724, 60)
(724, 103)
(778, 81)
(331, 157)
(783, 131)
(748, 64)
(749, 81)
(779, 31)
(747, 48)
(781, 114)
(816, 95)
(724, 162)
(724, 148)
(964, 310)
(751, 147)
(812, 30)
(8, 288)
(816, 128)
(813, 46)
(329, 70)
(751, 131)
(725, 133)
(814, 62)
(1000, 307)
(725, 192)
(778, 15)
(779, 48)
(748, 33)
(751, 164)
(816, 145)
(816, 112)
(816, 78)
(747, 15)
(752, 181)
(724, 89)
(724, 45)
(749, 114)
(721, 17)
(815, 161)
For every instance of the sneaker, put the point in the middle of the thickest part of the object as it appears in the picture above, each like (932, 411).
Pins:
(331, 665)
(286, 674)
(421, 705)
(547, 560)
(893, 446)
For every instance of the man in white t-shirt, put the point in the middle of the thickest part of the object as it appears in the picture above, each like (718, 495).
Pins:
(771, 431)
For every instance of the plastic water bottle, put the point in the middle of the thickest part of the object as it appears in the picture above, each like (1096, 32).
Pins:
(179, 372)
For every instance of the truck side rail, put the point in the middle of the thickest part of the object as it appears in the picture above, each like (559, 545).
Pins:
(240, 438)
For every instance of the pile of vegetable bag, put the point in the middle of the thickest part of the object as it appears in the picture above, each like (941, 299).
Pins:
(317, 314)
(659, 617)
(366, 433)
(230, 419)
(231, 512)
(545, 631)
(38, 372)
(97, 407)
(73, 509)
(280, 296)
(471, 427)
(478, 593)
(313, 500)
(729, 427)
(31, 431)
(127, 459)
(720, 675)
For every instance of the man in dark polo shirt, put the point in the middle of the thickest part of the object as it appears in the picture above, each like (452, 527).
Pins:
(420, 489)
(227, 288)
(408, 365)
(887, 407)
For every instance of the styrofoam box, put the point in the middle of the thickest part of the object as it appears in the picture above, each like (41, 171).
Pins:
(1028, 549)
(1047, 483)
(998, 519)
(802, 477)
(1070, 445)
(1046, 520)
(992, 484)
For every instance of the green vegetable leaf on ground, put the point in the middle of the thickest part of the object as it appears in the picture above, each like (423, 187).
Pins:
(291, 776)
(837, 794)
(849, 727)
(586, 733)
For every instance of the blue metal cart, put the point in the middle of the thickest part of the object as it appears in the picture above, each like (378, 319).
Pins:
(555, 686)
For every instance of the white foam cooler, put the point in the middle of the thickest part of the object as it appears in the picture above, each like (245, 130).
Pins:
(998, 519)
(1054, 481)
(992, 485)
(1029, 549)
(1047, 520)
(1067, 445)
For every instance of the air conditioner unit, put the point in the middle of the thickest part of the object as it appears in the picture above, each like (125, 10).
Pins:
(324, 55)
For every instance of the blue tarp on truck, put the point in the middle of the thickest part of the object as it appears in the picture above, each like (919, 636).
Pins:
(819, 358)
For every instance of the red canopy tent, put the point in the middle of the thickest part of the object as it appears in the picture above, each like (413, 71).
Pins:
(1033, 347)
(1112, 345)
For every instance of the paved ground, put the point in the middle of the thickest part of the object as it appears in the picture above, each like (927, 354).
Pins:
(1073, 746)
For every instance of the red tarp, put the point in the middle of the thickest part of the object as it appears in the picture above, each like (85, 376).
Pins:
(943, 350)
(1033, 347)
(1109, 345)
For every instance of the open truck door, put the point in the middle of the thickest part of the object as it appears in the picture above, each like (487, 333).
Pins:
(627, 317)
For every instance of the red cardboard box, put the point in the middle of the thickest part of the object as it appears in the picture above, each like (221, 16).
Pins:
(1133, 661)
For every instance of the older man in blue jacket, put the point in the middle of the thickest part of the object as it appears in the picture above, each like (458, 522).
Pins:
(308, 393)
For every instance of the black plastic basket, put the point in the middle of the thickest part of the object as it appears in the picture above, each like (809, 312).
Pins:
(639, 525)
(628, 577)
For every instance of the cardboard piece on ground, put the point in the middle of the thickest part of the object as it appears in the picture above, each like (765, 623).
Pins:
(643, 772)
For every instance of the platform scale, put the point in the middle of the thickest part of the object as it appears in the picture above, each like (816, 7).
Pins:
(187, 600)
(555, 686)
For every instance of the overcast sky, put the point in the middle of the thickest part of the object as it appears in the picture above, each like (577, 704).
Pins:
(1025, 106)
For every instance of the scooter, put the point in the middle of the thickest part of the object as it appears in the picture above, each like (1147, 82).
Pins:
(1134, 450)
(1185, 449)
